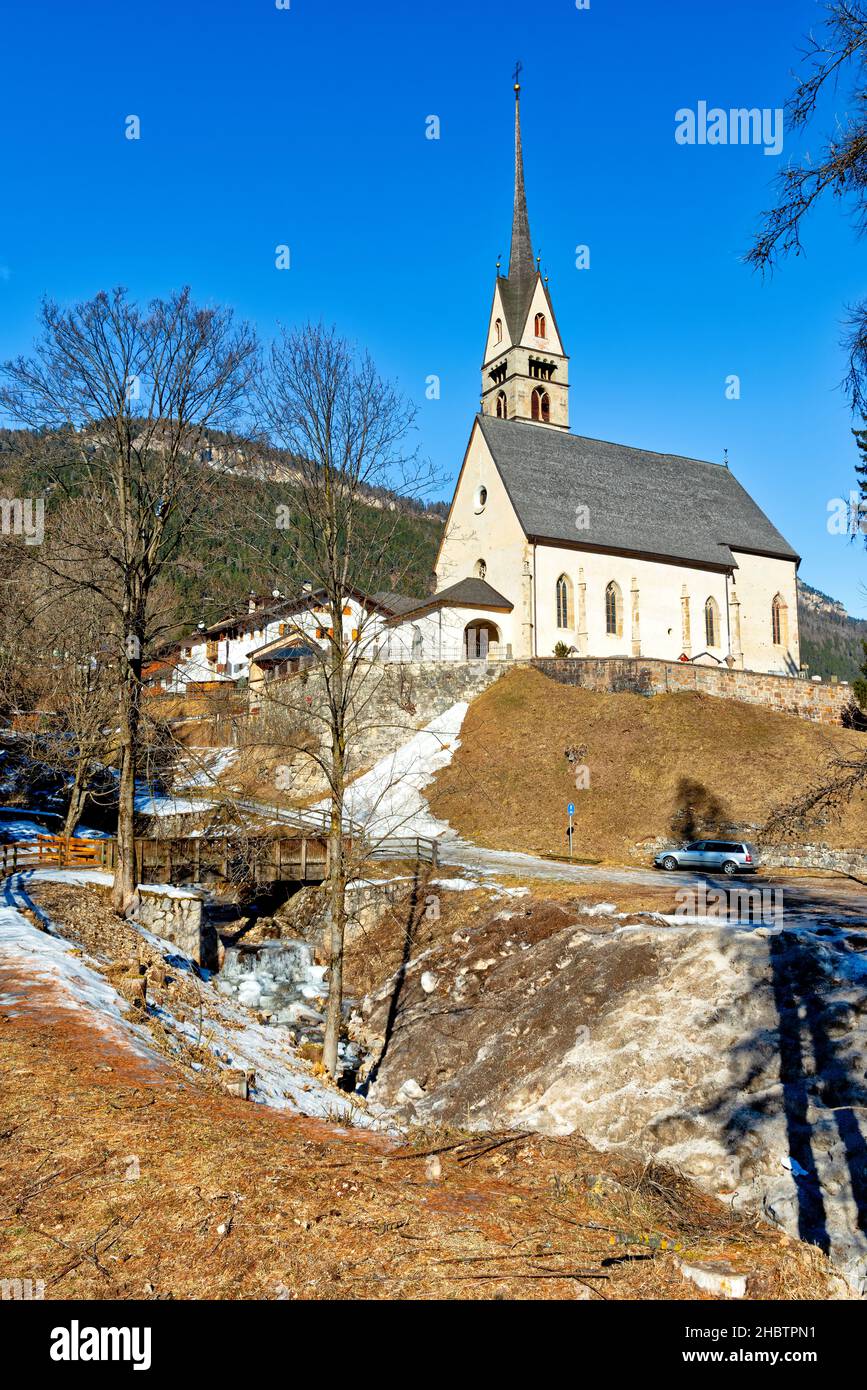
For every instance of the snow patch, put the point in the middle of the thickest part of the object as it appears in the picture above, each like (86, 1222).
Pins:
(387, 800)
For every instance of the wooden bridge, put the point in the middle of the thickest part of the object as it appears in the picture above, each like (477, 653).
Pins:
(298, 857)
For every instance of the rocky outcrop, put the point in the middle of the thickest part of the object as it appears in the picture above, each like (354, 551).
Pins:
(735, 1055)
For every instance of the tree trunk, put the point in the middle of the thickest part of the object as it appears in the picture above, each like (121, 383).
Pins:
(124, 886)
(336, 922)
(124, 872)
(77, 798)
(336, 861)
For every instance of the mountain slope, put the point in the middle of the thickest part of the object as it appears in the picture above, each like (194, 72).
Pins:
(830, 639)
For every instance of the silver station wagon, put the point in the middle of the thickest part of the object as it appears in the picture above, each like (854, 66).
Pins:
(729, 856)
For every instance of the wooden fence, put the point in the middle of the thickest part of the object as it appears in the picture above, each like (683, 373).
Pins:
(61, 851)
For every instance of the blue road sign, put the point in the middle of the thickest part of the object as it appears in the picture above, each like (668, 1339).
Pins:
(570, 809)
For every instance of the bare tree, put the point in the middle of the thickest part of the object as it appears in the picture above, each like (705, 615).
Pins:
(73, 693)
(347, 432)
(136, 390)
(844, 779)
(840, 168)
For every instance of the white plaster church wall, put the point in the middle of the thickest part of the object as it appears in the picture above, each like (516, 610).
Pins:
(441, 635)
(493, 534)
(495, 347)
(551, 342)
(660, 587)
(756, 580)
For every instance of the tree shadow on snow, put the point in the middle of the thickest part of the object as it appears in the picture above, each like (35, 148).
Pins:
(809, 1060)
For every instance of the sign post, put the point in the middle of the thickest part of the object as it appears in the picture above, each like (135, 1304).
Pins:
(570, 810)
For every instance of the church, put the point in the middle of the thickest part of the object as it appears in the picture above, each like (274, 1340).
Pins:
(556, 542)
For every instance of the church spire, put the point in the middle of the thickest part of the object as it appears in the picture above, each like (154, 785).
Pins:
(525, 372)
(521, 265)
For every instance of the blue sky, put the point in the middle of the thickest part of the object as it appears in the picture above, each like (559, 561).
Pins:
(262, 126)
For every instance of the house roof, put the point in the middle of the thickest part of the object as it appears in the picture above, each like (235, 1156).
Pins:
(284, 651)
(638, 502)
(158, 666)
(466, 593)
(280, 608)
(397, 603)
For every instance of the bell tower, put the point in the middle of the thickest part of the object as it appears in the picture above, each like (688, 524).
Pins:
(525, 372)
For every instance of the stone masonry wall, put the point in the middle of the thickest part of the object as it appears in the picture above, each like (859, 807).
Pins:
(787, 695)
(395, 700)
(852, 862)
(176, 915)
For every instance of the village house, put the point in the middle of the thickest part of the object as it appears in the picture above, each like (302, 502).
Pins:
(307, 628)
(269, 639)
(554, 540)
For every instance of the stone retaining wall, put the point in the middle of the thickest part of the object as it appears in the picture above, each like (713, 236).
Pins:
(839, 861)
(786, 694)
(395, 700)
(176, 915)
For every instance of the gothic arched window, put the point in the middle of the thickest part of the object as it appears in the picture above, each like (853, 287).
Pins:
(502, 407)
(778, 622)
(564, 601)
(540, 405)
(481, 569)
(498, 331)
(541, 327)
(613, 610)
(711, 622)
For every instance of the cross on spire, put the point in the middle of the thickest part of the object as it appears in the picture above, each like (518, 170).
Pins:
(519, 66)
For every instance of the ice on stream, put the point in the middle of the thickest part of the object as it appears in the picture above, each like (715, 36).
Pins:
(278, 979)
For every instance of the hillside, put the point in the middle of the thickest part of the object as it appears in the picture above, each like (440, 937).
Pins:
(237, 546)
(671, 765)
(176, 1187)
(831, 640)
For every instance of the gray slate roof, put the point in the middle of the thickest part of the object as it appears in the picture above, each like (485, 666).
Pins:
(466, 593)
(639, 502)
(397, 603)
(516, 292)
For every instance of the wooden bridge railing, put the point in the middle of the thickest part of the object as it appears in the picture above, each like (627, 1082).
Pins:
(418, 847)
(302, 857)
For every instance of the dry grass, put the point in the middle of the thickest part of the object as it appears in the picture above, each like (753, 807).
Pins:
(234, 1201)
(509, 782)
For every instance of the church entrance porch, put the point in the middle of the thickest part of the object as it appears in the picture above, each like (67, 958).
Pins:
(481, 641)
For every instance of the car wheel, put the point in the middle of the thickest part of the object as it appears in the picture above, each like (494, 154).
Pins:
(669, 862)
(729, 867)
